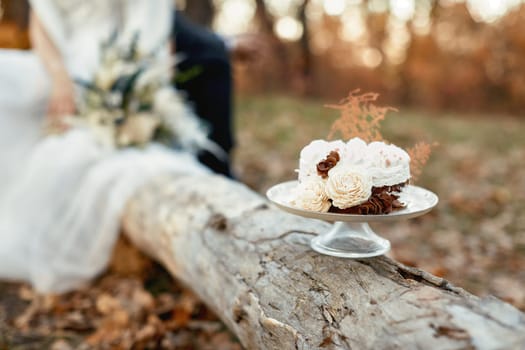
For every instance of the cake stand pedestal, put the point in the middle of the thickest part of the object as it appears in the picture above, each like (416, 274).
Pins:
(350, 240)
(351, 236)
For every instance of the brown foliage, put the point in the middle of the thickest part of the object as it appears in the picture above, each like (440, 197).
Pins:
(419, 154)
(360, 117)
(140, 307)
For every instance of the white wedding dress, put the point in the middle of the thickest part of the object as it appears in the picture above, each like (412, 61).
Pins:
(61, 197)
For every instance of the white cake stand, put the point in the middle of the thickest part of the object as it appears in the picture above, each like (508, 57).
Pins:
(351, 236)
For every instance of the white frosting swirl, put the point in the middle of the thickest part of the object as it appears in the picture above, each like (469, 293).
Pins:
(355, 152)
(387, 164)
(348, 185)
(311, 195)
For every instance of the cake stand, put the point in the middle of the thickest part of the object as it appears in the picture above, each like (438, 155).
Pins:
(351, 236)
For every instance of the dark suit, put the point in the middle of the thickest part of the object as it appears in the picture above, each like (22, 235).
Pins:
(205, 75)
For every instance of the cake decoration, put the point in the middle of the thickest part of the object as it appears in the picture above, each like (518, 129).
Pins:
(364, 175)
(353, 177)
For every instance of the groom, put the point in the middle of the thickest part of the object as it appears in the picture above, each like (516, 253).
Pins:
(205, 75)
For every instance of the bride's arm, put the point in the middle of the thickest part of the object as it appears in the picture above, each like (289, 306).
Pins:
(62, 99)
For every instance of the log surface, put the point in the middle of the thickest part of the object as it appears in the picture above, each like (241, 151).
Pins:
(252, 264)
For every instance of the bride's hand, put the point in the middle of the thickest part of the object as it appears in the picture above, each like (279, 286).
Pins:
(62, 101)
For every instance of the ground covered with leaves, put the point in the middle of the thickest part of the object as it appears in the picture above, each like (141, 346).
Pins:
(136, 304)
(475, 237)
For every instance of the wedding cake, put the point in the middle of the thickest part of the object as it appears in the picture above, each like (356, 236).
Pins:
(352, 177)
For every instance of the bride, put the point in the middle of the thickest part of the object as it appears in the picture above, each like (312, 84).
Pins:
(61, 197)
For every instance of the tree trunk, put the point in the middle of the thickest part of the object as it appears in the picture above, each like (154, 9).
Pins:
(200, 11)
(279, 52)
(252, 264)
(264, 18)
(17, 11)
(304, 42)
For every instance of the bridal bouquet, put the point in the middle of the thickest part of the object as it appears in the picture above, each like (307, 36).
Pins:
(130, 102)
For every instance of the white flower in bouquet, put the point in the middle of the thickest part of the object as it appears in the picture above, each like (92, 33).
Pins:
(138, 129)
(348, 185)
(113, 66)
(105, 77)
(114, 98)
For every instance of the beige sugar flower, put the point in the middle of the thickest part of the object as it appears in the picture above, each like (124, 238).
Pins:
(348, 185)
(311, 195)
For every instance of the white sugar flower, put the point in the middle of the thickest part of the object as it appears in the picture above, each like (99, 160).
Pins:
(313, 153)
(388, 164)
(348, 185)
(355, 152)
(310, 195)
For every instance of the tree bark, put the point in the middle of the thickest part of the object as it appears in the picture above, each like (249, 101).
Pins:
(279, 51)
(17, 11)
(304, 41)
(200, 11)
(252, 264)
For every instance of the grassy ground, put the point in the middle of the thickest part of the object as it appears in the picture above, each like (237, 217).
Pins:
(475, 237)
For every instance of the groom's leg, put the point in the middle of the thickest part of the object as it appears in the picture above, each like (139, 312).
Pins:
(205, 75)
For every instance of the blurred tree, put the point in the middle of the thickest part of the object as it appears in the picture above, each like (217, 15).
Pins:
(14, 23)
(264, 18)
(200, 11)
(17, 11)
(306, 49)
(278, 59)
(439, 54)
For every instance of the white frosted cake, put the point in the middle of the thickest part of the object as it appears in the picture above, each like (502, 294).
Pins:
(352, 177)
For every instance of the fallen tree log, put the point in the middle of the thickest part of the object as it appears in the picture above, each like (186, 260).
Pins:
(252, 264)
